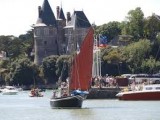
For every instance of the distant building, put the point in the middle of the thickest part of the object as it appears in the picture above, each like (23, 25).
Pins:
(58, 35)
(121, 40)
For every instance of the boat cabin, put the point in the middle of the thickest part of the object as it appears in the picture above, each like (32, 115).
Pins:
(152, 87)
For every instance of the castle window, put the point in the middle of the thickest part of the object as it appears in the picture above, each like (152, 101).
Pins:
(55, 41)
(69, 31)
(46, 31)
(37, 32)
(45, 42)
(41, 32)
(50, 32)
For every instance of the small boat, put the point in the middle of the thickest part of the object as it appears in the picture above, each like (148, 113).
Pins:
(80, 77)
(9, 90)
(144, 92)
(35, 93)
(39, 95)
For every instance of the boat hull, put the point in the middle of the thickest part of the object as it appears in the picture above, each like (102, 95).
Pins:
(154, 95)
(9, 90)
(67, 102)
(10, 93)
(30, 95)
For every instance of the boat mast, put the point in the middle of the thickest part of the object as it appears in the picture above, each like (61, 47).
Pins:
(96, 58)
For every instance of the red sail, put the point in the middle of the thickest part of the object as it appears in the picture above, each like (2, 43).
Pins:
(81, 71)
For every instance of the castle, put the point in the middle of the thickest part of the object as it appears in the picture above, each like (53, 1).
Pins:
(58, 35)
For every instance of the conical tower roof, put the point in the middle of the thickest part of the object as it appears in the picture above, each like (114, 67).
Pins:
(79, 20)
(46, 15)
(61, 14)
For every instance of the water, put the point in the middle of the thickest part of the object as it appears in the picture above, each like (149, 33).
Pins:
(22, 107)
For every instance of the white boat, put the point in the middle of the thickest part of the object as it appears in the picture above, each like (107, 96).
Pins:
(146, 92)
(139, 78)
(9, 90)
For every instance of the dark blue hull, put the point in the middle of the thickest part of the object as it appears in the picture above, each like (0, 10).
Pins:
(67, 102)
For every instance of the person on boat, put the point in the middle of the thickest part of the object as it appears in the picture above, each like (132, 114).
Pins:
(65, 94)
(33, 92)
(38, 93)
(54, 94)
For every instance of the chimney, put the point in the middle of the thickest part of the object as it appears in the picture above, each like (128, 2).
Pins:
(39, 11)
(57, 8)
(68, 16)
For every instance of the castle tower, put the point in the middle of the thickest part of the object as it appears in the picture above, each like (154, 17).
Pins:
(53, 37)
(75, 30)
(45, 33)
(61, 23)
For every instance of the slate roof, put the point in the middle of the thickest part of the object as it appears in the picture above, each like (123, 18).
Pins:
(61, 14)
(79, 20)
(46, 15)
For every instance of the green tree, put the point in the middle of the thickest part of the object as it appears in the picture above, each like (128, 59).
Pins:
(151, 27)
(111, 61)
(49, 69)
(150, 66)
(23, 72)
(111, 30)
(12, 46)
(62, 65)
(28, 41)
(124, 27)
(135, 23)
(135, 53)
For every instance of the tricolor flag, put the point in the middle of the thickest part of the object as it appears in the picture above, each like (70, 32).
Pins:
(102, 41)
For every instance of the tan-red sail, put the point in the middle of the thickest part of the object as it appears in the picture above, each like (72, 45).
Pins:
(81, 70)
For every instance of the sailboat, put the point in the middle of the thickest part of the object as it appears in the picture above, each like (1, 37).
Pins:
(80, 76)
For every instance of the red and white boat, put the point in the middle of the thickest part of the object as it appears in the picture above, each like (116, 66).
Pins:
(147, 92)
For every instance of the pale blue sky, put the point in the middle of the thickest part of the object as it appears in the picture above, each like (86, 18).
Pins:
(16, 16)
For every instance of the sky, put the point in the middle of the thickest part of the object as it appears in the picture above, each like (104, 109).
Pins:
(17, 16)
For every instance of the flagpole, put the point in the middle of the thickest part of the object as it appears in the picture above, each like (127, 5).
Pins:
(94, 56)
(98, 57)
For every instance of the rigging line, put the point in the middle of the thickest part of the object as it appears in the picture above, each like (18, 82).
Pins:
(60, 77)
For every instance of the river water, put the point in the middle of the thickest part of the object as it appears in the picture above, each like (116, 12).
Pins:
(23, 107)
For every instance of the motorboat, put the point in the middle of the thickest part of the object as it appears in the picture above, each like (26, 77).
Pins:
(9, 90)
(142, 92)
